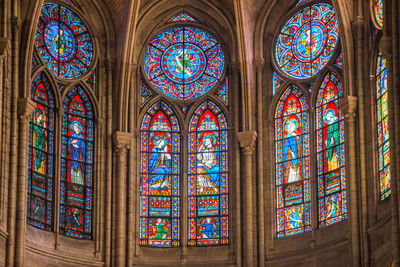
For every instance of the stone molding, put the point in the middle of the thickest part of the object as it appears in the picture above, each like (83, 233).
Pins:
(258, 63)
(5, 45)
(122, 141)
(247, 141)
(348, 105)
(26, 106)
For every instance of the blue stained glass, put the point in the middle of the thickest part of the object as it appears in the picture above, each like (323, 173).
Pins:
(40, 155)
(145, 95)
(307, 41)
(277, 82)
(91, 81)
(183, 17)
(222, 93)
(63, 41)
(34, 62)
(77, 151)
(184, 62)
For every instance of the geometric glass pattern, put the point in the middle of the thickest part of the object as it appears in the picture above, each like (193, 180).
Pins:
(293, 190)
(208, 177)
(183, 17)
(339, 61)
(69, 2)
(145, 95)
(77, 151)
(378, 13)
(184, 62)
(332, 200)
(307, 41)
(301, 2)
(184, 109)
(91, 81)
(222, 93)
(63, 41)
(34, 63)
(160, 178)
(383, 128)
(41, 156)
(277, 82)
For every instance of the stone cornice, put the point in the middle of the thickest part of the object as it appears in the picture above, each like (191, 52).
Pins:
(247, 141)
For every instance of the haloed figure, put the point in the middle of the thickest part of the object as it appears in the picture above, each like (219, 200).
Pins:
(208, 167)
(291, 153)
(160, 170)
(208, 229)
(76, 153)
(39, 137)
(332, 141)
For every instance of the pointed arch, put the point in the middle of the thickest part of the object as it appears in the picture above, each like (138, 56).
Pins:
(40, 199)
(382, 107)
(331, 159)
(293, 207)
(77, 152)
(208, 177)
(160, 177)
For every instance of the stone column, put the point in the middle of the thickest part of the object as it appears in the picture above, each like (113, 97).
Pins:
(122, 143)
(348, 106)
(25, 109)
(247, 143)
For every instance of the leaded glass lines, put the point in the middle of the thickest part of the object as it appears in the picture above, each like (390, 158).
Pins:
(160, 178)
(383, 128)
(378, 13)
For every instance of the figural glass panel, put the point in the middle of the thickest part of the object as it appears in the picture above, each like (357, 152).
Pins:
(41, 156)
(184, 62)
(208, 177)
(383, 128)
(160, 178)
(77, 152)
(307, 41)
(293, 197)
(332, 193)
(63, 41)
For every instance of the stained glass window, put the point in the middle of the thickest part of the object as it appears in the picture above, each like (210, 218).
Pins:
(339, 61)
(91, 81)
(41, 155)
(302, 1)
(292, 163)
(77, 151)
(276, 83)
(378, 12)
(208, 177)
(330, 153)
(63, 41)
(34, 62)
(145, 94)
(383, 128)
(222, 93)
(184, 62)
(183, 17)
(307, 41)
(160, 178)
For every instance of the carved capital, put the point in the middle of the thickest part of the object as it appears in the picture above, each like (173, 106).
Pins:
(247, 141)
(122, 142)
(108, 64)
(235, 67)
(386, 46)
(358, 22)
(348, 106)
(5, 45)
(26, 106)
(258, 63)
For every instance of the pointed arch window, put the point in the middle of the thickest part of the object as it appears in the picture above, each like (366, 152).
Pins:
(383, 128)
(292, 163)
(330, 153)
(160, 178)
(77, 151)
(41, 155)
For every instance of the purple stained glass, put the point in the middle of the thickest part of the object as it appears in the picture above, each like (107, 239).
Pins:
(63, 41)
(184, 62)
(183, 17)
(383, 128)
(330, 153)
(208, 177)
(292, 169)
(160, 178)
(77, 152)
(41, 155)
(307, 41)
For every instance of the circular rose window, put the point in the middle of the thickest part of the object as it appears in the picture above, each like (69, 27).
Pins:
(184, 62)
(307, 41)
(63, 42)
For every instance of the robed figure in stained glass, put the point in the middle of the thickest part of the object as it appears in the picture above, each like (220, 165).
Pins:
(38, 142)
(208, 229)
(207, 167)
(77, 151)
(291, 151)
(294, 217)
(160, 164)
(160, 229)
(333, 206)
(332, 140)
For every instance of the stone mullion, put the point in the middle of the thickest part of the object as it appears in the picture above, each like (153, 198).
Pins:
(122, 141)
(348, 106)
(247, 144)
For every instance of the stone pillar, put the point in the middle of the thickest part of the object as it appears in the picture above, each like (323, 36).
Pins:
(122, 143)
(247, 143)
(25, 109)
(348, 106)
